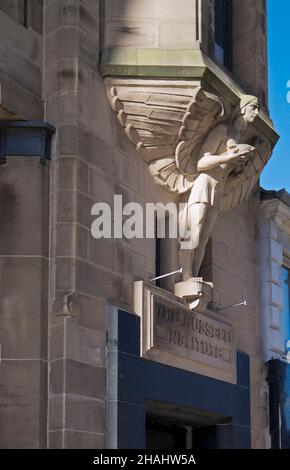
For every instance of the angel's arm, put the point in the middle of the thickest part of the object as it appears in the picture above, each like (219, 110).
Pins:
(209, 161)
(209, 158)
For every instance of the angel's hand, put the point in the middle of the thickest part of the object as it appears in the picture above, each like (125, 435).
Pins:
(238, 152)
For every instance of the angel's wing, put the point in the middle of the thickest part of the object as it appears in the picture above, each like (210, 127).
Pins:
(168, 128)
(239, 186)
(179, 172)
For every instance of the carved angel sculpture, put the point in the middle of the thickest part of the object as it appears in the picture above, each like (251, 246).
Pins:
(223, 159)
(192, 150)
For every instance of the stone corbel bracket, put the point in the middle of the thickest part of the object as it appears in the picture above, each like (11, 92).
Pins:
(66, 304)
(150, 90)
(158, 116)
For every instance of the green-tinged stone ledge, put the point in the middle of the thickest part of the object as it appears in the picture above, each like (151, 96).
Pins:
(177, 64)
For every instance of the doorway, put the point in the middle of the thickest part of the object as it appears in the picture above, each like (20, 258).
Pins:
(170, 427)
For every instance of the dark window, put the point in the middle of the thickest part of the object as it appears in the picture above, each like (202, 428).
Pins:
(157, 258)
(177, 428)
(224, 32)
(206, 270)
(166, 253)
(165, 436)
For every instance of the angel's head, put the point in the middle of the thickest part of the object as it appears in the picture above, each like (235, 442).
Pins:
(249, 108)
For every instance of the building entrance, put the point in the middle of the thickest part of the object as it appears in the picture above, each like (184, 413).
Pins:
(169, 427)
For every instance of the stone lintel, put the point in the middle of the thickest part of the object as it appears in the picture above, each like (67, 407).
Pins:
(173, 334)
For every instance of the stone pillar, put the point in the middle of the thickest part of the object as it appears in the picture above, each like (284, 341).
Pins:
(77, 314)
(250, 47)
(91, 162)
(24, 197)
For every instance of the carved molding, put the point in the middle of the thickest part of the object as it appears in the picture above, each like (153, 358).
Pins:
(279, 212)
(66, 304)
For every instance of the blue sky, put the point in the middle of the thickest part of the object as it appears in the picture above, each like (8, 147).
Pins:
(277, 173)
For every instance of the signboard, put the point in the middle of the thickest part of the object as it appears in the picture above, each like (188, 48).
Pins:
(191, 340)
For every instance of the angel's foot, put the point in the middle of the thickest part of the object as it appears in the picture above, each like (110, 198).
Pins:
(195, 291)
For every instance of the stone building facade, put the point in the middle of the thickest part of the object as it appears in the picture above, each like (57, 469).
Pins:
(73, 373)
(275, 247)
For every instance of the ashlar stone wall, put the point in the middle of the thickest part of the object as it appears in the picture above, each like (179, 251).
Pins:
(55, 78)
(92, 162)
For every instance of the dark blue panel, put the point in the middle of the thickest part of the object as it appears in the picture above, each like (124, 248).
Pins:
(241, 437)
(141, 380)
(243, 370)
(129, 333)
(241, 406)
(274, 402)
(130, 385)
(205, 438)
(285, 405)
(224, 436)
(155, 382)
(25, 138)
(285, 424)
(214, 437)
(131, 424)
(286, 381)
(279, 382)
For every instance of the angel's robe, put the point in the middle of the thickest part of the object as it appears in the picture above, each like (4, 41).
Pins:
(209, 185)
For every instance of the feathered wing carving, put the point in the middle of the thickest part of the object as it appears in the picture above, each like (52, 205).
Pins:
(178, 172)
(240, 184)
(168, 128)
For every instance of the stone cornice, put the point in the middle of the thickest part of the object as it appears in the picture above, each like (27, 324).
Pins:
(279, 212)
(174, 64)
